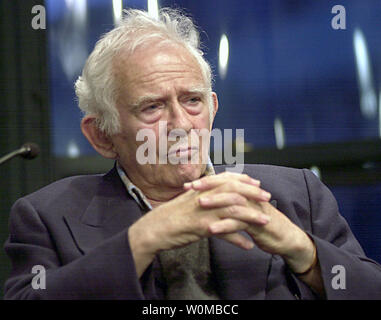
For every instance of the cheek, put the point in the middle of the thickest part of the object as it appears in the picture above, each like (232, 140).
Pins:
(125, 146)
(202, 121)
(127, 140)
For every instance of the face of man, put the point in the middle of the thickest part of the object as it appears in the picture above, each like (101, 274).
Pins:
(162, 86)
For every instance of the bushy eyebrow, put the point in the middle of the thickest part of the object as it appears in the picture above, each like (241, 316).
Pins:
(146, 99)
(199, 90)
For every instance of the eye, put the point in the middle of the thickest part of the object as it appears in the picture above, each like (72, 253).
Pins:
(194, 100)
(151, 109)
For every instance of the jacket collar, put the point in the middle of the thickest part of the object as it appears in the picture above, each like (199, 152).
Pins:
(110, 210)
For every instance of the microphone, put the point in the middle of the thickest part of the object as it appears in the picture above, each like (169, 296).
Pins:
(28, 150)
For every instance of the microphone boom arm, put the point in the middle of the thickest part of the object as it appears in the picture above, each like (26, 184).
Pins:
(27, 151)
(9, 156)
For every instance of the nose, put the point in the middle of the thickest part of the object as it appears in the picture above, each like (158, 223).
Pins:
(179, 118)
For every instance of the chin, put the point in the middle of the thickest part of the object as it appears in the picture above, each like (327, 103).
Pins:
(188, 172)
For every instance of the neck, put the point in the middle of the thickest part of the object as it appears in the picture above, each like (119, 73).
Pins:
(156, 193)
(160, 191)
(157, 198)
(155, 203)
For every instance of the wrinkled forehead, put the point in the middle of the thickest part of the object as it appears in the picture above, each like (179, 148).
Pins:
(129, 65)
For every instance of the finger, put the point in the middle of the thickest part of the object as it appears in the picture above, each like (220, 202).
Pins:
(237, 239)
(210, 182)
(244, 214)
(227, 226)
(220, 200)
(187, 186)
(250, 192)
(230, 225)
(232, 182)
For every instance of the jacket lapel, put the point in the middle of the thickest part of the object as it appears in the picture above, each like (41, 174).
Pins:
(109, 212)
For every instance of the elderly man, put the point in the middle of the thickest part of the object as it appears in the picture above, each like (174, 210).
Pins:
(185, 230)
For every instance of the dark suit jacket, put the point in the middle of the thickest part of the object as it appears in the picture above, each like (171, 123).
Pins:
(76, 229)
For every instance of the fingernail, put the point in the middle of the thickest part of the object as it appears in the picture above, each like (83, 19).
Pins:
(255, 182)
(266, 195)
(187, 185)
(196, 183)
(249, 245)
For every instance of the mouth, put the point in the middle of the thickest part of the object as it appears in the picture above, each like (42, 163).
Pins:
(182, 151)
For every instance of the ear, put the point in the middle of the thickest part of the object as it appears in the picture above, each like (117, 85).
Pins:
(215, 108)
(100, 141)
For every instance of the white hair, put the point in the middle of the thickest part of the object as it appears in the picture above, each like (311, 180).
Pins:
(96, 88)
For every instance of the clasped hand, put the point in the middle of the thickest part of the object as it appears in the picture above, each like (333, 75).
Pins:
(223, 205)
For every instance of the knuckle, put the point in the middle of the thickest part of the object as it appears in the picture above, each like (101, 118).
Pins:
(229, 184)
(238, 199)
(235, 184)
(195, 201)
(203, 224)
(232, 210)
(229, 175)
(204, 180)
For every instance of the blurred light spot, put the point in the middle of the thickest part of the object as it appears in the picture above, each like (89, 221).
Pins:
(69, 3)
(72, 150)
(117, 8)
(280, 138)
(223, 56)
(368, 98)
(153, 8)
(316, 171)
(71, 38)
(368, 165)
(240, 142)
(78, 9)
